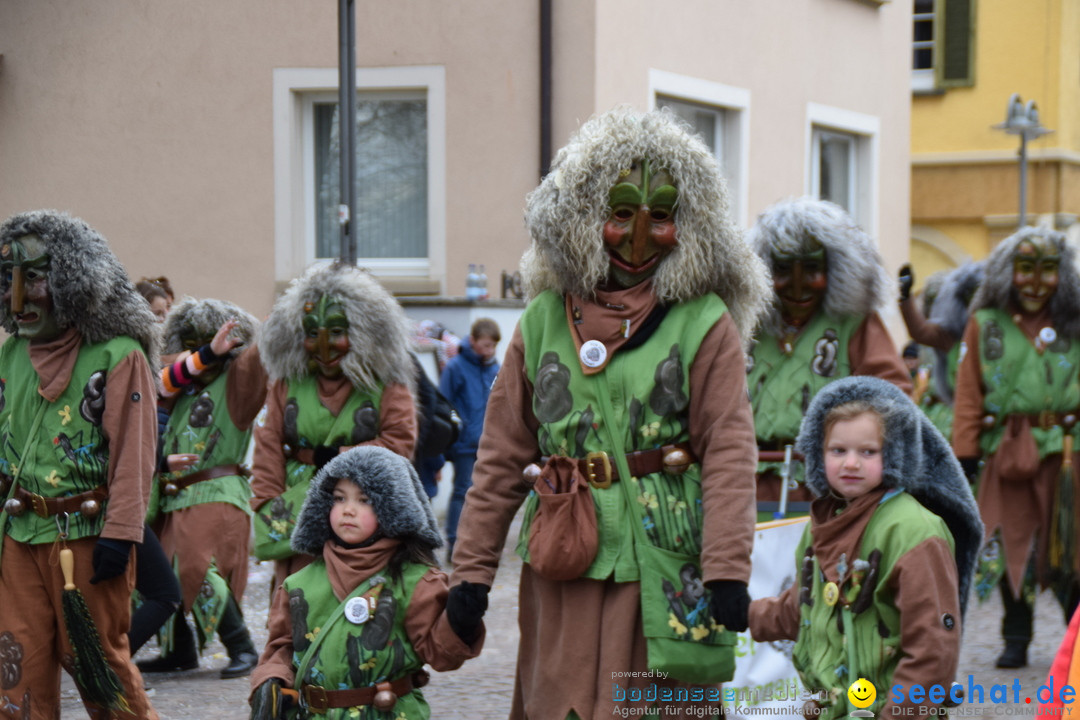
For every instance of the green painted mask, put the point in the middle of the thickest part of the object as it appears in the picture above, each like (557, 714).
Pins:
(800, 280)
(326, 335)
(640, 229)
(1035, 273)
(26, 264)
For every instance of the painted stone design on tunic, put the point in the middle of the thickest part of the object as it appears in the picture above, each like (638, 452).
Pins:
(365, 423)
(993, 340)
(298, 611)
(667, 397)
(552, 398)
(826, 350)
(92, 407)
(289, 415)
(11, 657)
(202, 412)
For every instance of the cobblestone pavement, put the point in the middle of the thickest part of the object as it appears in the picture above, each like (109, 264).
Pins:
(482, 689)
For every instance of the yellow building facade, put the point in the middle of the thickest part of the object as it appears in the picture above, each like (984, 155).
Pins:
(970, 57)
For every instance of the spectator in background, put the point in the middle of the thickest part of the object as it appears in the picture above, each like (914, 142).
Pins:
(466, 383)
(160, 302)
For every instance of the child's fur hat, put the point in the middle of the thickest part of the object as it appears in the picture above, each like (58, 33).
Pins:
(858, 283)
(89, 287)
(392, 487)
(565, 216)
(205, 317)
(916, 457)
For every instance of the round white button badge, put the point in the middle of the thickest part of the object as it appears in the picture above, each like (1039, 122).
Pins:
(593, 353)
(357, 611)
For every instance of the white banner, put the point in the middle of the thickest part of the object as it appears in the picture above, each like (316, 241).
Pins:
(765, 682)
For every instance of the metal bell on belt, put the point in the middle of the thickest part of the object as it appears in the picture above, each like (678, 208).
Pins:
(385, 700)
(676, 461)
(170, 489)
(14, 507)
(90, 508)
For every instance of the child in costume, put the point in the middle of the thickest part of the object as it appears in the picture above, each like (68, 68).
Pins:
(350, 633)
(1017, 403)
(885, 564)
(205, 508)
(337, 348)
(822, 325)
(78, 442)
(625, 379)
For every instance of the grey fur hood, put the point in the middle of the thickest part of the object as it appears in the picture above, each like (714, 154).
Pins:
(858, 283)
(997, 288)
(950, 312)
(205, 317)
(392, 486)
(565, 216)
(89, 287)
(379, 333)
(916, 458)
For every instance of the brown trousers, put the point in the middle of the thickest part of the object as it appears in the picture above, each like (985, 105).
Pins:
(34, 642)
(197, 535)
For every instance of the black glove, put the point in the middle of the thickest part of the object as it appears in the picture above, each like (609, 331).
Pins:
(906, 279)
(110, 559)
(324, 454)
(267, 702)
(730, 604)
(970, 466)
(465, 608)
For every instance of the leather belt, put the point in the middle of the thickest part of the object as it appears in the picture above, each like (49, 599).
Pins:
(769, 445)
(1048, 419)
(47, 506)
(319, 699)
(207, 474)
(600, 469)
(777, 456)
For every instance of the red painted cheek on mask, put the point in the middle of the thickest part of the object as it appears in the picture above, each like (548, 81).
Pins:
(664, 235)
(616, 232)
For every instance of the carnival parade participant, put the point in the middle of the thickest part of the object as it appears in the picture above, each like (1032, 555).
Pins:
(205, 508)
(1017, 399)
(884, 567)
(337, 348)
(352, 631)
(625, 379)
(822, 325)
(77, 452)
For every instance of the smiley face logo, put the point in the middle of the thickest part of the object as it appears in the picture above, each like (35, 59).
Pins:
(862, 693)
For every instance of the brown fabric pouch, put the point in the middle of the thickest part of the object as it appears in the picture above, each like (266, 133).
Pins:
(563, 538)
(1017, 456)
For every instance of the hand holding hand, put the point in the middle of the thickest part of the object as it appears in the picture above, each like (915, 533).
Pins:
(465, 608)
(110, 559)
(268, 702)
(730, 604)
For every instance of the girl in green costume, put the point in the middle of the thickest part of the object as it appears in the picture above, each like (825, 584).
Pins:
(885, 564)
(350, 634)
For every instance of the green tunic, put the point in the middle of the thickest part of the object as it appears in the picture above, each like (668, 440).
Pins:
(830, 661)
(1019, 379)
(356, 655)
(200, 424)
(783, 380)
(69, 454)
(649, 390)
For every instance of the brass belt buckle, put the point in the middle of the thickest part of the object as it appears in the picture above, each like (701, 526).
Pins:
(1047, 419)
(315, 698)
(37, 504)
(590, 469)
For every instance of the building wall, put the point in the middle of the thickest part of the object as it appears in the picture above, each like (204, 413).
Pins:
(156, 123)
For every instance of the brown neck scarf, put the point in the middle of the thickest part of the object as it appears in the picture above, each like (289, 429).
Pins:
(838, 526)
(348, 567)
(611, 319)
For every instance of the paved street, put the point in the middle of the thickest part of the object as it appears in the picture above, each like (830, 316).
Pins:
(483, 687)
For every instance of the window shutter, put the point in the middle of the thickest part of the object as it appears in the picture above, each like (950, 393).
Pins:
(957, 43)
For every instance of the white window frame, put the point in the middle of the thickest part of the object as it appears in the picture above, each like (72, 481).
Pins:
(866, 132)
(734, 104)
(925, 79)
(294, 94)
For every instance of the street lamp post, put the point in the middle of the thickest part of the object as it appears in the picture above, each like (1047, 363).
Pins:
(1023, 120)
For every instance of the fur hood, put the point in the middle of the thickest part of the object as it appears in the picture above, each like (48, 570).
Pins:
(997, 289)
(565, 216)
(916, 458)
(930, 291)
(392, 486)
(858, 284)
(380, 335)
(89, 287)
(950, 312)
(205, 317)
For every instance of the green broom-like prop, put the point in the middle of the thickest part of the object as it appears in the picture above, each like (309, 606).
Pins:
(97, 681)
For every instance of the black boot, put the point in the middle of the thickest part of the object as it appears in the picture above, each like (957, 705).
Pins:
(1014, 655)
(237, 641)
(184, 655)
